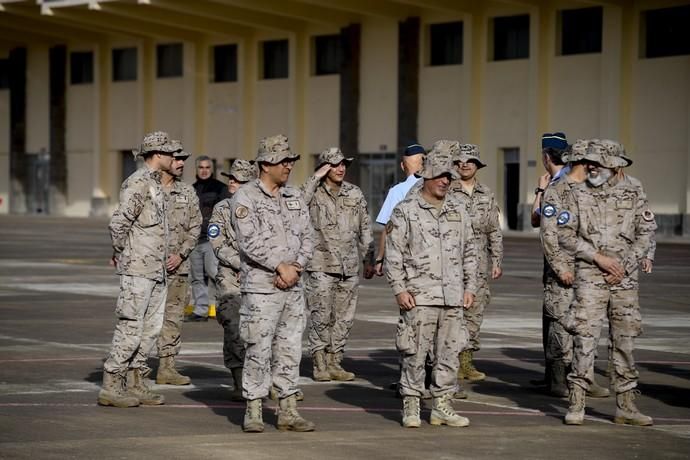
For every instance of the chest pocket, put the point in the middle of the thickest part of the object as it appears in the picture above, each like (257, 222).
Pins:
(150, 216)
(350, 211)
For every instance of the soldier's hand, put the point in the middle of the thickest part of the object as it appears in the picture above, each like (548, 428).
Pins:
(405, 301)
(280, 283)
(544, 180)
(378, 269)
(369, 271)
(173, 262)
(609, 265)
(114, 261)
(647, 265)
(612, 279)
(568, 278)
(496, 273)
(289, 273)
(322, 171)
(467, 300)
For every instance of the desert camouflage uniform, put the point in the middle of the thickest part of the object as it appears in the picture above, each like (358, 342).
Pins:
(138, 230)
(184, 222)
(430, 253)
(344, 237)
(481, 206)
(270, 230)
(615, 221)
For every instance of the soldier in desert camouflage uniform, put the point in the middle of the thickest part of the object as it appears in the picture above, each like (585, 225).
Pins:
(184, 224)
(224, 244)
(139, 232)
(431, 266)
(340, 217)
(610, 228)
(276, 241)
(481, 206)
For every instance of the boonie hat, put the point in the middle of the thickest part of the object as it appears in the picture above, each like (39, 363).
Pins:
(333, 156)
(274, 149)
(179, 150)
(439, 161)
(157, 141)
(601, 152)
(577, 151)
(242, 170)
(470, 152)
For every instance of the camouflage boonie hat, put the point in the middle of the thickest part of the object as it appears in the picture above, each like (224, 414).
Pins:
(179, 151)
(577, 151)
(242, 171)
(617, 149)
(439, 161)
(157, 141)
(333, 156)
(470, 152)
(605, 154)
(275, 149)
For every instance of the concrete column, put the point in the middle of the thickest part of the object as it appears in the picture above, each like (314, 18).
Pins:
(58, 124)
(408, 81)
(249, 74)
(299, 128)
(103, 160)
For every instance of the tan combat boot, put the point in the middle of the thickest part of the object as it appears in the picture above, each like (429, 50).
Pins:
(576, 410)
(467, 368)
(273, 394)
(168, 375)
(321, 373)
(236, 393)
(288, 417)
(136, 386)
(335, 369)
(113, 392)
(253, 417)
(597, 391)
(627, 412)
(557, 384)
(442, 413)
(411, 412)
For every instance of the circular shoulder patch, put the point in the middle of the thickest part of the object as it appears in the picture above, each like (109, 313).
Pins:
(241, 212)
(648, 215)
(563, 218)
(549, 210)
(213, 230)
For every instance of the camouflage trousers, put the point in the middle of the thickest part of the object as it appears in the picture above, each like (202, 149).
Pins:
(139, 314)
(557, 302)
(474, 316)
(436, 331)
(170, 339)
(594, 301)
(331, 303)
(228, 316)
(271, 327)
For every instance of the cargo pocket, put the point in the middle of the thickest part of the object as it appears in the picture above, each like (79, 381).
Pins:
(405, 339)
(249, 332)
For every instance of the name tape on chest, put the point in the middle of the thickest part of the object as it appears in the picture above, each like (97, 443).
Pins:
(453, 217)
(549, 210)
(293, 205)
(241, 212)
(624, 204)
(349, 202)
(213, 230)
(181, 199)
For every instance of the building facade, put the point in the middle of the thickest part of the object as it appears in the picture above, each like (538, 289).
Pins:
(81, 82)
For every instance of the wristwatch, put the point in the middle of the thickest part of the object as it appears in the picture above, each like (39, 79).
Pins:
(538, 190)
(378, 261)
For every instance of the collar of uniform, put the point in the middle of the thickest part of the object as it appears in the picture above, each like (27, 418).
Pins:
(176, 186)
(345, 187)
(426, 205)
(283, 190)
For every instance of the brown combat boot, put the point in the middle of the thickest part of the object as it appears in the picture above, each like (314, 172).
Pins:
(576, 410)
(467, 369)
(321, 373)
(627, 412)
(236, 393)
(136, 386)
(168, 375)
(288, 417)
(253, 417)
(335, 369)
(113, 392)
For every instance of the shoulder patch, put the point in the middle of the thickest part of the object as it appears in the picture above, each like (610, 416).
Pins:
(213, 230)
(549, 210)
(648, 215)
(563, 218)
(292, 205)
(241, 212)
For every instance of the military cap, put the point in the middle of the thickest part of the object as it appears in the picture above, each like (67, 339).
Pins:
(333, 156)
(469, 152)
(554, 141)
(242, 171)
(439, 161)
(274, 149)
(577, 151)
(617, 149)
(178, 151)
(157, 141)
(413, 149)
(604, 153)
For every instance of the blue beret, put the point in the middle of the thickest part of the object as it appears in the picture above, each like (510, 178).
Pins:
(413, 149)
(555, 140)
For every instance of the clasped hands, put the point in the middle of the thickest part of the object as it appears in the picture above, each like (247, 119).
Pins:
(287, 275)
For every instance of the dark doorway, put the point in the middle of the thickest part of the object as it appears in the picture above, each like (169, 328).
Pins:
(511, 185)
(128, 163)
